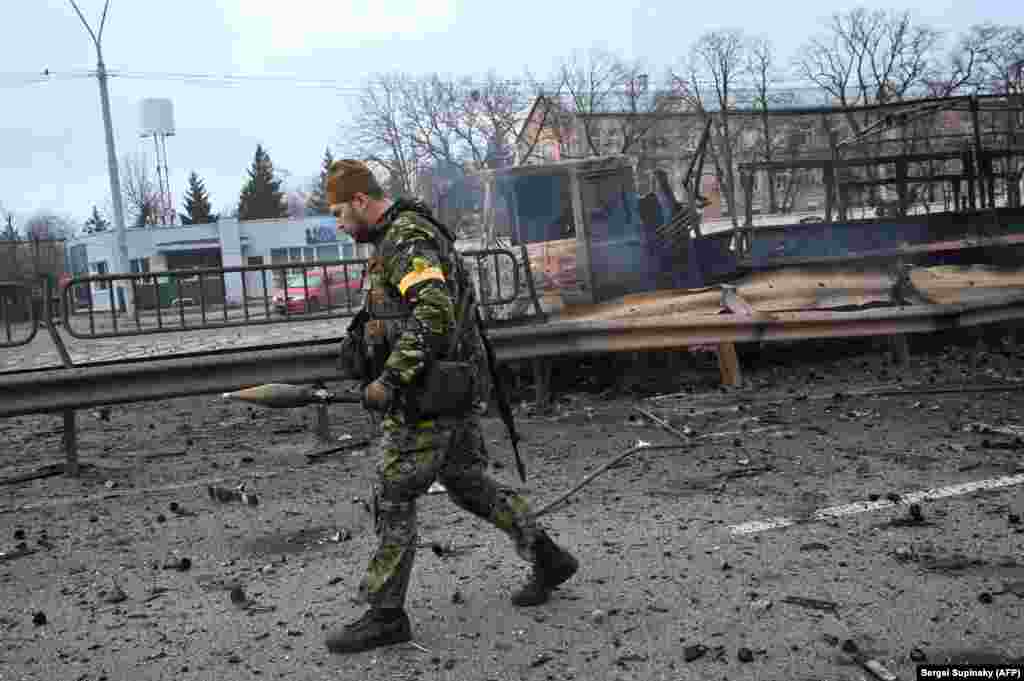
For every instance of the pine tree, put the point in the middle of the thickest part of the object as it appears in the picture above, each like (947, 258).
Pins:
(97, 223)
(317, 202)
(197, 203)
(261, 196)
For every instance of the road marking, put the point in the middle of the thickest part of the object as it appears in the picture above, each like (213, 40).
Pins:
(865, 506)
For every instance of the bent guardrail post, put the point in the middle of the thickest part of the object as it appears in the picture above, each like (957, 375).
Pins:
(71, 467)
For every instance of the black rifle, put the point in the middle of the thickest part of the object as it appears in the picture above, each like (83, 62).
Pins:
(355, 362)
(503, 406)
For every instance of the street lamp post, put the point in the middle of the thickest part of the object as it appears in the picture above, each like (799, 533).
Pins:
(121, 252)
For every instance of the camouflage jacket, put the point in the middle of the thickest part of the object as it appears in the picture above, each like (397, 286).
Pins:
(416, 282)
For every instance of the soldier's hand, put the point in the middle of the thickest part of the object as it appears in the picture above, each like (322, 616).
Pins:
(378, 396)
(351, 358)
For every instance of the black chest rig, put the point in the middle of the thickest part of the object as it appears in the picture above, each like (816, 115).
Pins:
(447, 386)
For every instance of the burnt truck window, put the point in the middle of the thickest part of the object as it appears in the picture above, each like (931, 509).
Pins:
(537, 208)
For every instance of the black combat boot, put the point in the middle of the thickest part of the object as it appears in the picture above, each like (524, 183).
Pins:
(554, 565)
(374, 629)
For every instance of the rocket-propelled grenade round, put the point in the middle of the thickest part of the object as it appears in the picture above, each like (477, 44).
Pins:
(280, 395)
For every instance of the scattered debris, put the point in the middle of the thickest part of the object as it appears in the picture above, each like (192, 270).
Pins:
(762, 605)
(237, 595)
(952, 563)
(683, 435)
(914, 518)
(314, 457)
(1010, 430)
(448, 550)
(541, 659)
(115, 595)
(815, 546)
(176, 508)
(335, 537)
(225, 495)
(181, 564)
(746, 472)
(49, 471)
(19, 551)
(166, 455)
(694, 652)
(870, 664)
(629, 657)
(812, 603)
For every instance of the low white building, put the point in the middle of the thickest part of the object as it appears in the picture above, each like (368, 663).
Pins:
(227, 243)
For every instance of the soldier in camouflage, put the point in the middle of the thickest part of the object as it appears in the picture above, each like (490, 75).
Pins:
(416, 273)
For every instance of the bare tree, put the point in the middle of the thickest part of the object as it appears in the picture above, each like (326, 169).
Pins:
(997, 54)
(488, 117)
(870, 57)
(378, 132)
(141, 200)
(45, 225)
(717, 65)
(764, 73)
(433, 132)
(593, 81)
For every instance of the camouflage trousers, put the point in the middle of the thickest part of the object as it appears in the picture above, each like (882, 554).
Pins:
(410, 457)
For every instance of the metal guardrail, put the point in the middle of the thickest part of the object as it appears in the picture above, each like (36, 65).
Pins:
(16, 298)
(197, 299)
(314, 362)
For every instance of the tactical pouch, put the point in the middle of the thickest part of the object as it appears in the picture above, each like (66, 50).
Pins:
(448, 389)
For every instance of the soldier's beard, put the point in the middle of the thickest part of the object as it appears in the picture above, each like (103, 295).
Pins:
(359, 231)
(358, 227)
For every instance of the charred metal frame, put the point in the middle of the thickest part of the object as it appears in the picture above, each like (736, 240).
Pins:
(977, 172)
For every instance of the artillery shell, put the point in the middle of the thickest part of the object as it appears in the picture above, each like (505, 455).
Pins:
(276, 395)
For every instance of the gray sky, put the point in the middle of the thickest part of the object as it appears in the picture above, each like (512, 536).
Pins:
(52, 153)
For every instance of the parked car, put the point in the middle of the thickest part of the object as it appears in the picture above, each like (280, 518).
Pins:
(314, 292)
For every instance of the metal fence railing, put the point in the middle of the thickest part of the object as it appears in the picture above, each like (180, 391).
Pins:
(19, 314)
(189, 300)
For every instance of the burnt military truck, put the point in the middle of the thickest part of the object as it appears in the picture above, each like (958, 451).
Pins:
(577, 223)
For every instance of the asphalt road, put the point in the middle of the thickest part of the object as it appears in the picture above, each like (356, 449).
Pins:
(684, 551)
